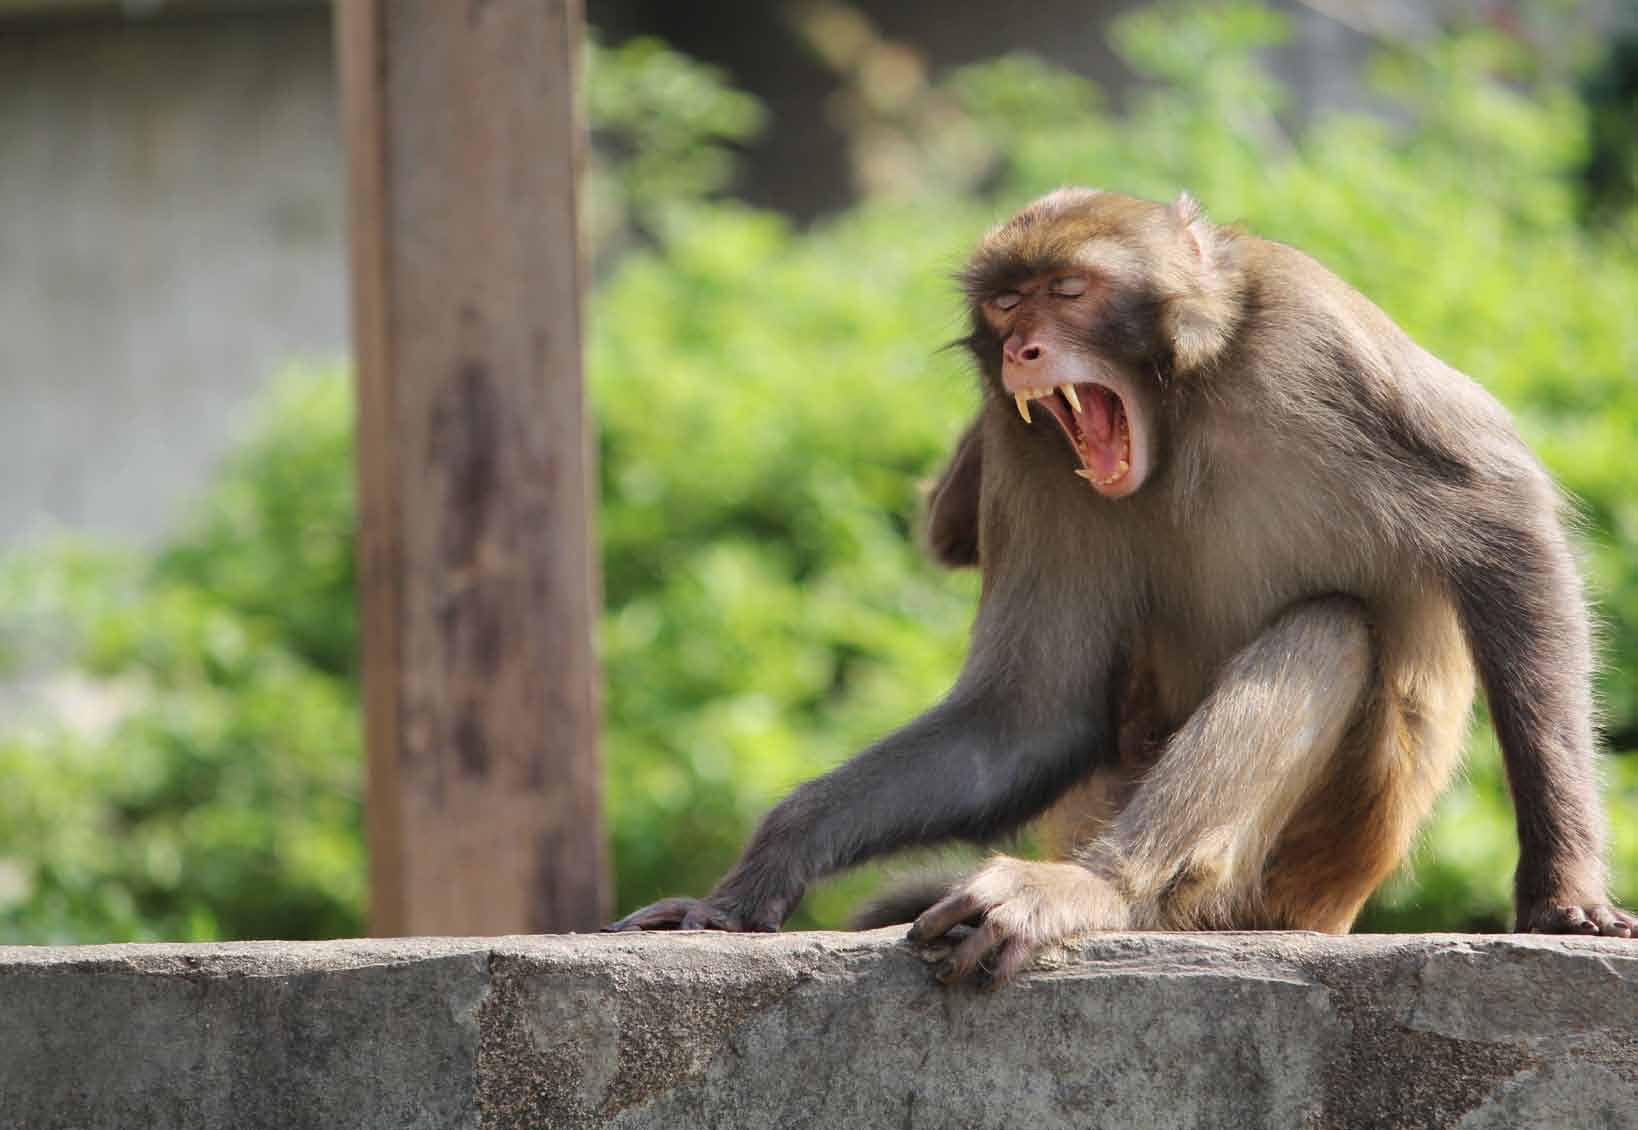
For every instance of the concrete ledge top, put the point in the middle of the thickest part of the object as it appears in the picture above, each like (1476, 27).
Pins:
(821, 1030)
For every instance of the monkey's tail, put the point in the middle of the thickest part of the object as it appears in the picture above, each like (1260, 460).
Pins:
(903, 900)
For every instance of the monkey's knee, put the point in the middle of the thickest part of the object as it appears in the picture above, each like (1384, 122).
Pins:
(1316, 658)
(1336, 625)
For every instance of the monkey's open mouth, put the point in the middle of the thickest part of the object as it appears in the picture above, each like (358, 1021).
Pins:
(1095, 421)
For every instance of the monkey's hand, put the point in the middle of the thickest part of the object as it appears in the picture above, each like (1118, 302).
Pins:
(692, 914)
(1016, 909)
(1558, 916)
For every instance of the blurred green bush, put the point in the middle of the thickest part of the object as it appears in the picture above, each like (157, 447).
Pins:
(768, 399)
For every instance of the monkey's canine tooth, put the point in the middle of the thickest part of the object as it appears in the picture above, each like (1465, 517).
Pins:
(1087, 475)
(1023, 406)
(1071, 396)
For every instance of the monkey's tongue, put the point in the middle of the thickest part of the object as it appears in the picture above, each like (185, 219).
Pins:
(1102, 424)
(1097, 415)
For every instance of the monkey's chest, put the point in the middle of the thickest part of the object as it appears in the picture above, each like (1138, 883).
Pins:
(1206, 607)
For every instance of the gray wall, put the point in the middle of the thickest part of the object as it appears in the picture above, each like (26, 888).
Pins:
(822, 1032)
(170, 232)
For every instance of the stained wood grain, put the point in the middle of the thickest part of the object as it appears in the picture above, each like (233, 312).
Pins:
(478, 577)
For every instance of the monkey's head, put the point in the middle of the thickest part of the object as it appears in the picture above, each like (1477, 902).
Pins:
(1091, 304)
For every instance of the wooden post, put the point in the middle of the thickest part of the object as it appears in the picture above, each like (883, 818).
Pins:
(478, 581)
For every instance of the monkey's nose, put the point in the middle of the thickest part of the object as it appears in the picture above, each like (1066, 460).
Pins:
(1023, 353)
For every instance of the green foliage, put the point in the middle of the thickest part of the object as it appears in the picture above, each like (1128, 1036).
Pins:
(1611, 171)
(767, 400)
(212, 787)
(664, 129)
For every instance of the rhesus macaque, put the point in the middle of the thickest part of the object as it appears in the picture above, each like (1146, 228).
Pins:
(1244, 545)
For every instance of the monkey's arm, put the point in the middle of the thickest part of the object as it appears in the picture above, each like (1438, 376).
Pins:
(965, 769)
(1521, 603)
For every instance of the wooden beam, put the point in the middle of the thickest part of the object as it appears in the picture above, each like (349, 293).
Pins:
(152, 9)
(478, 579)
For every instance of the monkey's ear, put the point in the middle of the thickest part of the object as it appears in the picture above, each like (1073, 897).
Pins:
(1201, 314)
(1190, 219)
(952, 504)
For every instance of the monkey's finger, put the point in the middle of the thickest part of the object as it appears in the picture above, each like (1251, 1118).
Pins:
(1575, 921)
(703, 916)
(1015, 955)
(1564, 920)
(662, 915)
(645, 919)
(970, 954)
(937, 949)
(1612, 923)
(938, 919)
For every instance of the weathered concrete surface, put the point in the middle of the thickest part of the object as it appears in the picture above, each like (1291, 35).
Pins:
(821, 1030)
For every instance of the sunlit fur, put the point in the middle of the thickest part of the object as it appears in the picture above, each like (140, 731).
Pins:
(1292, 741)
(1245, 683)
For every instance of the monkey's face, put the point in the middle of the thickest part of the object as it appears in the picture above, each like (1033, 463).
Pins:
(1082, 300)
(1048, 326)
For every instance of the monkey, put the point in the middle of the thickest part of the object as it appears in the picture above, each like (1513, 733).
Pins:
(1246, 553)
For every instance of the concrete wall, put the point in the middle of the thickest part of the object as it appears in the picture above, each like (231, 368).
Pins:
(170, 232)
(828, 1031)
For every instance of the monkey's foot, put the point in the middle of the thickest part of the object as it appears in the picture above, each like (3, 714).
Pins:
(1016, 909)
(688, 914)
(1554, 917)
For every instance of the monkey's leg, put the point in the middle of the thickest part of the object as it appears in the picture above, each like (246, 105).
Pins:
(1192, 847)
(1359, 821)
(969, 768)
(1353, 828)
(1189, 848)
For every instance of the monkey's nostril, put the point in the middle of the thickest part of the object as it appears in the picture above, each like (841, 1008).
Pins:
(1030, 353)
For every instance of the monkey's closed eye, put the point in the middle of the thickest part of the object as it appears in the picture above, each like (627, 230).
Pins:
(1071, 286)
(1006, 301)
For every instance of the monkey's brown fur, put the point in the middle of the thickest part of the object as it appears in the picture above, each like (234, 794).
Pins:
(1240, 660)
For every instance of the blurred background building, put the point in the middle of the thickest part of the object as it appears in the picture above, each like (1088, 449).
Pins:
(171, 219)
